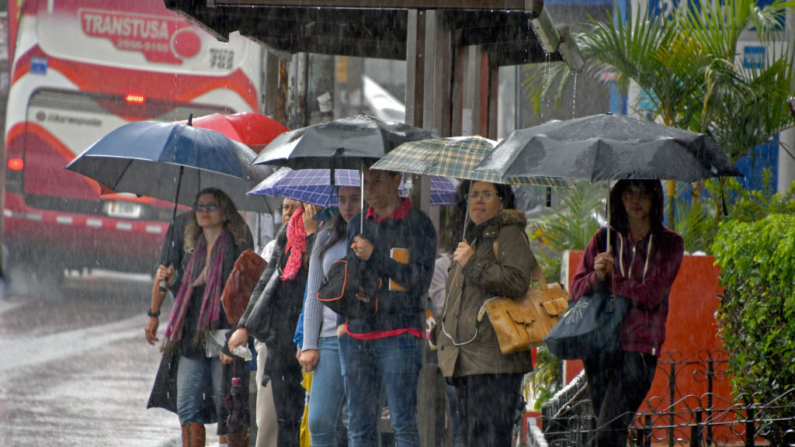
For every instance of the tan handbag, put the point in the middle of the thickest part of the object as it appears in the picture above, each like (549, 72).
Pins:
(522, 323)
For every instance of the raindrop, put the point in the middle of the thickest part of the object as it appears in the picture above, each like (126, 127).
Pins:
(574, 98)
(546, 77)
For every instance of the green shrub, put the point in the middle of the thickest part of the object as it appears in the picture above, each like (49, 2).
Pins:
(756, 315)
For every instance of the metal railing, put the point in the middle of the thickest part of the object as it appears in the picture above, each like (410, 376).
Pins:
(676, 418)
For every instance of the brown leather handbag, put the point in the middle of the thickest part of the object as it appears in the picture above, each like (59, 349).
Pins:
(241, 282)
(522, 323)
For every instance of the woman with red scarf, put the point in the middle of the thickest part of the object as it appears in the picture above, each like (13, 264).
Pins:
(290, 261)
(194, 366)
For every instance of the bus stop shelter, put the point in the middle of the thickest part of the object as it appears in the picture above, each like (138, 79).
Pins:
(453, 50)
(449, 45)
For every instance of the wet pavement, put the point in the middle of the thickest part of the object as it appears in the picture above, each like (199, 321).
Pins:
(75, 369)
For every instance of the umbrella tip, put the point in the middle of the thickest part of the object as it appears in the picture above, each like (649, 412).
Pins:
(190, 119)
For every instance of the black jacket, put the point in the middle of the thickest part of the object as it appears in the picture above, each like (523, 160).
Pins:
(275, 305)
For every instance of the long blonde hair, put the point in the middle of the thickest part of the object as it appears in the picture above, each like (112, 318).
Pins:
(233, 221)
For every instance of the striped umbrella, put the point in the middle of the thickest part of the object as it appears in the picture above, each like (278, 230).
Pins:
(314, 186)
(455, 157)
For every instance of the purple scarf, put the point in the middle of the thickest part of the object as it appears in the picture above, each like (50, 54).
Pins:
(211, 302)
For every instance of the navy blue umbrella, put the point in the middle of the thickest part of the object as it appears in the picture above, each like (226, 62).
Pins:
(173, 161)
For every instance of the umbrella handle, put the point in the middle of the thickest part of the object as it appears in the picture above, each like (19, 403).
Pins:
(608, 216)
(361, 199)
(163, 286)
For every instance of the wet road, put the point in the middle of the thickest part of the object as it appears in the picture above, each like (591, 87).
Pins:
(75, 369)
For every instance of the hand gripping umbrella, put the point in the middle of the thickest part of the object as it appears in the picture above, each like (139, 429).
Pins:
(347, 143)
(172, 161)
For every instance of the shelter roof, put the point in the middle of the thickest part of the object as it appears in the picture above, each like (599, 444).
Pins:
(369, 28)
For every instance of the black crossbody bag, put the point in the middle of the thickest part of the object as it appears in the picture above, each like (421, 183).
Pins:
(350, 288)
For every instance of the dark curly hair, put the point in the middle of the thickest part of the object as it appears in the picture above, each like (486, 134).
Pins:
(459, 210)
(233, 221)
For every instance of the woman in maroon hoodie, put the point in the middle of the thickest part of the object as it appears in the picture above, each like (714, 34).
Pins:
(641, 266)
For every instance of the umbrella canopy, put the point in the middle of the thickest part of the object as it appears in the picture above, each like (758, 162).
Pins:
(347, 143)
(454, 157)
(314, 186)
(252, 129)
(608, 147)
(146, 157)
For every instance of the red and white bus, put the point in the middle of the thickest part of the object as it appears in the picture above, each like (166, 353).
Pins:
(82, 68)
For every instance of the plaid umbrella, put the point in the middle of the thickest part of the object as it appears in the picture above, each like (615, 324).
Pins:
(314, 186)
(454, 157)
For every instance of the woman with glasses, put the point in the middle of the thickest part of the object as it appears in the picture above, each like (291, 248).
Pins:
(493, 259)
(640, 266)
(194, 368)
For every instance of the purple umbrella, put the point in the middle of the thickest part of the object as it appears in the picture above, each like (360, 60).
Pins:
(314, 186)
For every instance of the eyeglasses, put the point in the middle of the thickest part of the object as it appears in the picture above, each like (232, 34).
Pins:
(211, 207)
(487, 195)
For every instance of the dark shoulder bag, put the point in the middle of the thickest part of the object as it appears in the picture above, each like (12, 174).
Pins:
(350, 288)
(588, 327)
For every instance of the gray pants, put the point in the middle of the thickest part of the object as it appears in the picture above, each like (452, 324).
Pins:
(267, 425)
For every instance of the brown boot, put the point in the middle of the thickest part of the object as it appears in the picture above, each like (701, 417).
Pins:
(193, 435)
(237, 439)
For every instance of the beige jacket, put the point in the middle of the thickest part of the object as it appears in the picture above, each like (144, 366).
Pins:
(484, 277)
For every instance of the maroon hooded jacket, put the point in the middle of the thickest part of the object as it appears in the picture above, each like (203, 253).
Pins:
(644, 271)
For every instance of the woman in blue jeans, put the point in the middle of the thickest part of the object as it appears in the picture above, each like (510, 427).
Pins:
(320, 353)
(194, 368)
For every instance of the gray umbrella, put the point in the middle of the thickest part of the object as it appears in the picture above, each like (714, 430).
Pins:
(608, 147)
(345, 143)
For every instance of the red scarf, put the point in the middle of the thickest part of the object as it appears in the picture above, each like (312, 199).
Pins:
(296, 243)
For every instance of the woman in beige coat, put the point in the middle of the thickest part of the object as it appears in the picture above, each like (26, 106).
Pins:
(487, 382)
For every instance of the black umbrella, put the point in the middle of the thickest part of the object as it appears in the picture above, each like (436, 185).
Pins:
(346, 143)
(608, 147)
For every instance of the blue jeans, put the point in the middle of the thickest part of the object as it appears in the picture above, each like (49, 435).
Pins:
(365, 363)
(193, 376)
(327, 395)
